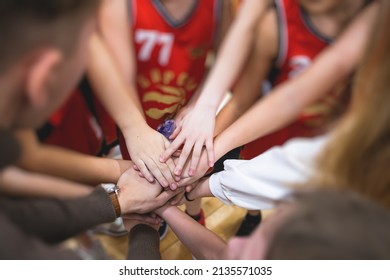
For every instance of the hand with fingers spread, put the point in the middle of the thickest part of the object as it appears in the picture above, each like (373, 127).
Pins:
(193, 131)
(137, 195)
(187, 180)
(145, 147)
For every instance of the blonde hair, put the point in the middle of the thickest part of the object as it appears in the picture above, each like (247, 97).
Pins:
(358, 156)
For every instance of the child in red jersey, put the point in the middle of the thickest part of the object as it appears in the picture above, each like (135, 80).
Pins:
(170, 42)
(305, 29)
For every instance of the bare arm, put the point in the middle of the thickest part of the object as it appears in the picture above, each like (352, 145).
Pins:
(248, 88)
(56, 161)
(202, 242)
(118, 97)
(201, 190)
(112, 73)
(114, 28)
(18, 182)
(233, 54)
(194, 133)
(336, 63)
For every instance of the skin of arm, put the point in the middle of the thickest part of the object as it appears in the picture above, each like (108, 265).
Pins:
(114, 24)
(112, 74)
(248, 88)
(181, 116)
(333, 65)
(17, 182)
(203, 243)
(136, 195)
(201, 190)
(229, 61)
(193, 133)
(74, 166)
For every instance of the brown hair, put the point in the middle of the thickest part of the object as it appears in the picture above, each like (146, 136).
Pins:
(332, 225)
(27, 24)
(358, 156)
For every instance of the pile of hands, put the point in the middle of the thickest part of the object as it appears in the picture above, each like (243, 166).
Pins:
(166, 164)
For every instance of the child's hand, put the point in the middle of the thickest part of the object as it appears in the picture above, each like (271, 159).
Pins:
(144, 149)
(137, 195)
(203, 168)
(194, 130)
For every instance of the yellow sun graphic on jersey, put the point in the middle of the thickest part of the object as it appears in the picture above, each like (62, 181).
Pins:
(171, 91)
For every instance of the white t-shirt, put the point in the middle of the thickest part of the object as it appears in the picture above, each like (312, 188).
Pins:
(259, 182)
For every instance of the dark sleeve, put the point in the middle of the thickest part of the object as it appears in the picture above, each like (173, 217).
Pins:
(54, 220)
(17, 245)
(9, 149)
(144, 243)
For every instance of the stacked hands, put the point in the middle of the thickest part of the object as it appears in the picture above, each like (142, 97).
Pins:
(165, 168)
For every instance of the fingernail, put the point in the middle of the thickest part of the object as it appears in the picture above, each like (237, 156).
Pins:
(173, 186)
(177, 179)
(177, 171)
(165, 184)
(191, 172)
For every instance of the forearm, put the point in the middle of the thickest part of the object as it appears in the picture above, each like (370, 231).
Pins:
(226, 117)
(119, 98)
(16, 244)
(203, 243)
(230, 61)
(201, 190)
(56, 161)
(266, 118)
(17, 182)
(241, 101)
(73, 166)
(55, 220)
(285, 102)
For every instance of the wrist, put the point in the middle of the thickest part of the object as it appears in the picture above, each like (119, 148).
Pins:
(207, 104)
(137, 132)
(189, 196)
(162, 211)
(133, 125)
(201, 190)
(113, 193)
(220, 147)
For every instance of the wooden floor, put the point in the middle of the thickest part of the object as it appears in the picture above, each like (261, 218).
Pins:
(222, 219)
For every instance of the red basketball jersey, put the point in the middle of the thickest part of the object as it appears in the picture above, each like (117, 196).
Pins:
(82, 125)
(299, 44)
(171, 54)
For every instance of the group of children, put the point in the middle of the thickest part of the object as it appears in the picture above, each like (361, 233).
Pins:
(290, 66)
